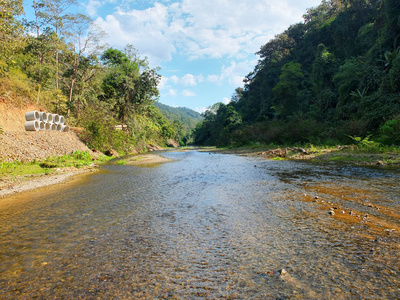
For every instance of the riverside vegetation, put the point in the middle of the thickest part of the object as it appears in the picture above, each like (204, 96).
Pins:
(60, 63)
(78, 159)
(333, 79)
(330, 80)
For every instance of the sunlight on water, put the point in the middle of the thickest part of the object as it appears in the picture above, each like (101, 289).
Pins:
(206, 226)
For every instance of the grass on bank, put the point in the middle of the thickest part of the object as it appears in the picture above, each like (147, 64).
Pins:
(364, 151)
(77, 159)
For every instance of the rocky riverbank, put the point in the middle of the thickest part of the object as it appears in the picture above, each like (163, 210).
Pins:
(26, 146)
(345, 154)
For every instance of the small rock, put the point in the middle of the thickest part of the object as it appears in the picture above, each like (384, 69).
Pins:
(331, 212)
(342, 212)
(283, 272)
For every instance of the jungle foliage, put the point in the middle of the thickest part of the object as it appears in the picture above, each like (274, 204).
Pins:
(58, 61)
(322, 81)
(185, 121)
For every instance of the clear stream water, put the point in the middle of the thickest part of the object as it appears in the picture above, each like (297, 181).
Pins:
(205, 226)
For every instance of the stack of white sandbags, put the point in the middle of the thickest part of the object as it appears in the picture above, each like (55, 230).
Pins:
(36, 121)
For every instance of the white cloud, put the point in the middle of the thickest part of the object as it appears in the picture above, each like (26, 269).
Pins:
(215, 79)
(173, 79)
(186, 80)
(91, 8)
(163, 83)
(144, 29)
(189, 79)
(200, 29)
(187, 93)
(226, 101)
(234, 73)
(172, 92)
(200, 109)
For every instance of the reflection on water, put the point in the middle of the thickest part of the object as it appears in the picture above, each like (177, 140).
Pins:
(206, 226)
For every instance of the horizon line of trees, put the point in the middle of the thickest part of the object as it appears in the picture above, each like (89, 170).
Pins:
(59, 59)
(334, 76)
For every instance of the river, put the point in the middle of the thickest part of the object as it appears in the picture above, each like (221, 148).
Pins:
(206, 226)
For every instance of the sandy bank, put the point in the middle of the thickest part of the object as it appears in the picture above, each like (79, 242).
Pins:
(144, 159)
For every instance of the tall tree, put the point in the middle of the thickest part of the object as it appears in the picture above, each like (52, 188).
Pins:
(130, 83)
(287, 89)
(119, 83)
(85, 40)
(41, 28)
(58, 16)
(10, 32)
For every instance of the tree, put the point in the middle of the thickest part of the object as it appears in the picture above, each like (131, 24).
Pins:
(11, 34)
(287, 89)
(40, 66)
(129, 84)
(323, 69)
(84, 41)
(40, 46)
(119, 83)
(56, 11)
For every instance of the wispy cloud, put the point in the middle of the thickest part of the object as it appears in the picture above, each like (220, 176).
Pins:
(200, 109)
(233, 74)
(186, 80)
(187, 93)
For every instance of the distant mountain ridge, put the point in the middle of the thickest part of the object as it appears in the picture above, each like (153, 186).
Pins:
(186, 116)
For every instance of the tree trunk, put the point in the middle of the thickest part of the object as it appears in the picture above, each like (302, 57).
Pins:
(70, 95)
(38, 95)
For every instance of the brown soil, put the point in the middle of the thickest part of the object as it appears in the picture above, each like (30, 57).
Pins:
(13, 118)
(16, 144)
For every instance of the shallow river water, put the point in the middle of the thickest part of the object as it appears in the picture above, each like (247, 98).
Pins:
(206, 226)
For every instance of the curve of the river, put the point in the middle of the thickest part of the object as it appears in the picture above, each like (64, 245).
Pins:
(206, 226)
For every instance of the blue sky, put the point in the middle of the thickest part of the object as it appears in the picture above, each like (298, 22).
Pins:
(204, 48)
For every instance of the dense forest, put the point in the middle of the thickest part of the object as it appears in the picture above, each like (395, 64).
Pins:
(330, 79)
(59, 62)
(183, 118)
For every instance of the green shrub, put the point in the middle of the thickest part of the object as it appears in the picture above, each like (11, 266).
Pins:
(100, 133)
(366, 142)
(390, 132)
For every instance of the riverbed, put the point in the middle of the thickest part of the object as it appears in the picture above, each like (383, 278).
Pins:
(206, 226)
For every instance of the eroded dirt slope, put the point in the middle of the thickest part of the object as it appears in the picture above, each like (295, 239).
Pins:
(18, 144)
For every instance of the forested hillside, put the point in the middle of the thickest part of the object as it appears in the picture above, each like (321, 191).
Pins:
(332, 77)
(60, 62)
(184, 119)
